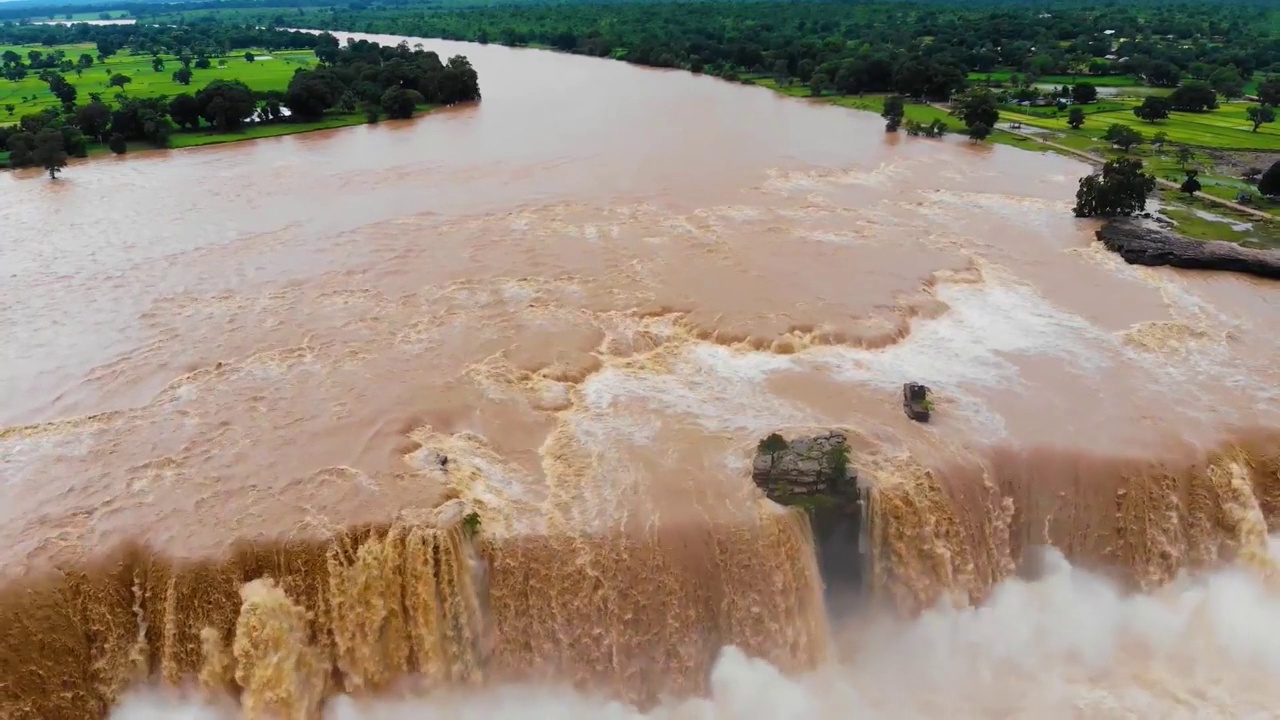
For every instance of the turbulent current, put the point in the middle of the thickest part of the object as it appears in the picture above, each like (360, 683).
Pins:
(454, 417)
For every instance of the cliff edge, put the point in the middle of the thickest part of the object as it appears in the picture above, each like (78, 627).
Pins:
(1140, 245)
(812, 472)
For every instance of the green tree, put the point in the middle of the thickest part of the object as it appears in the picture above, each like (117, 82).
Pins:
(1122, 136)
(1269, 183)
(1191, 185)
(1075, 118)
(249, 56)
(1152, 109)
(781, 75)
(372, 113)
(1227, 82)
(397, 103)
(157, 64)
(1084, 93)
(1163, 74)
(1269, 92)
(85, 60)
(225, 104)
(979, 106)
(819, 83)
(1193, 96)
(93, 118)
(979, 132)
(202, 63)
(1159, 139)
(894, 110)
(1260, 114)
(61, 89)
(20, 145)
(182, 76)
(49, 152)
(185, 111)
(1185, 155)
(118, 144)
(119, 80)
(1121, 188)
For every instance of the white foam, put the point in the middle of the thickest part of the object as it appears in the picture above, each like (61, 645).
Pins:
(971, 343)
(1065, 645)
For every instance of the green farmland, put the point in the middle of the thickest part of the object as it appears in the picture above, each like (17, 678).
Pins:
(1225, 128)
(268, 72)
(1002, 76)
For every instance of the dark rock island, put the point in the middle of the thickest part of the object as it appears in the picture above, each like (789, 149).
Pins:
(813, 473)
(1140, 245)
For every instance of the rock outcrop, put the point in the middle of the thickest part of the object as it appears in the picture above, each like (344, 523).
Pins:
(813, 473)
(1140, 245)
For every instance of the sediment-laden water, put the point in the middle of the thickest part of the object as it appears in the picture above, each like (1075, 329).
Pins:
(252, 393)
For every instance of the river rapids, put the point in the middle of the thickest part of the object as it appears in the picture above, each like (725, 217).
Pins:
(255, 398)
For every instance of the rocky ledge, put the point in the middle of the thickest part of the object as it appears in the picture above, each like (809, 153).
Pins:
(812, 472)
(805, 467)
(1140, 245)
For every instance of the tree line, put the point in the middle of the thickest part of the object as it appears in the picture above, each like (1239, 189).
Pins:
(919, 49)
(360, 76)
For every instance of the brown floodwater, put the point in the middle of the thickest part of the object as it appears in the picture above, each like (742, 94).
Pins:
(593, 292)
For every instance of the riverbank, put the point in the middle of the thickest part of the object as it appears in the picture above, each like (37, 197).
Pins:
(1142, 245)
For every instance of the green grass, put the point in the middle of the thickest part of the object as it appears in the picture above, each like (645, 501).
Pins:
(1225, 128)
(31, 95)
(871, 102)
(82, 16)
(1051, 111)
(205, 136)
(1201, 220)
(1095, 80)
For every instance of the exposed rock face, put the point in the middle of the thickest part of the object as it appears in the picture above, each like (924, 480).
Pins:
(1140, 245)
(813, 473)
(807, 466)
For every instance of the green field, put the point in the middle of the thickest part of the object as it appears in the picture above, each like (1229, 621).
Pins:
(83, 16)
(1225, 128)
(1096, 80)
(270, 71)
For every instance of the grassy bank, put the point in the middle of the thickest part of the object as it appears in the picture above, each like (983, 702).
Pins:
(1195, 217)
(268, 71)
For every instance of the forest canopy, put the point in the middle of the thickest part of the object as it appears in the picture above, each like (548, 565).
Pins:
(919, 49)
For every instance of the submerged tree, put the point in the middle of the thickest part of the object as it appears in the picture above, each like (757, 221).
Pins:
(979, 132)
(1121, 188)
(894, 110)
(979, 106)
(49, 152)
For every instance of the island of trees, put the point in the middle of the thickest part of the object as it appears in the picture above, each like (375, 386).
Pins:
(360, 81)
